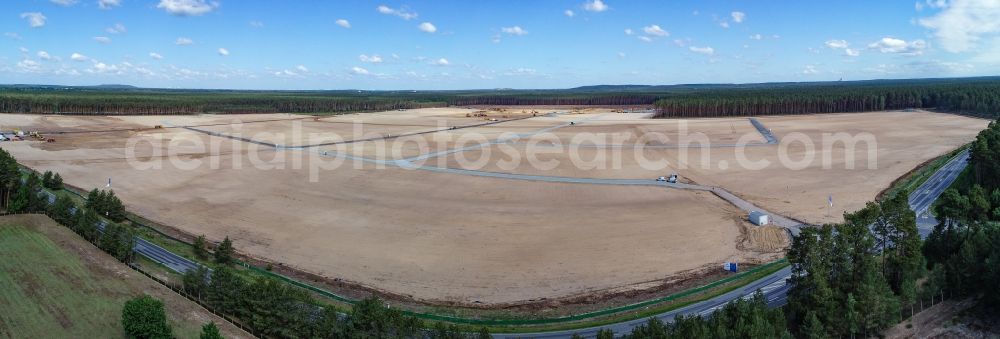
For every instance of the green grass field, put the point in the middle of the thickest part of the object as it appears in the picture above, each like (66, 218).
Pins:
(49, 292)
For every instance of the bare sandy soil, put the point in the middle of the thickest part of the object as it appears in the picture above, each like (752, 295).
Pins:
(443, 237)
(790, 178)
(431, 236)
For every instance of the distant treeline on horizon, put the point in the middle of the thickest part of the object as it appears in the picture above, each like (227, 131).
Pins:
(975, 96)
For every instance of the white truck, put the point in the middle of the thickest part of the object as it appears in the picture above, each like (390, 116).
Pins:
(671, 179)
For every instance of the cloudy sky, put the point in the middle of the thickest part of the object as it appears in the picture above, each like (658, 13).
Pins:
(451, 44)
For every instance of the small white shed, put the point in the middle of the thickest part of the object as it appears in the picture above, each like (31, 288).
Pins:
(759, 219)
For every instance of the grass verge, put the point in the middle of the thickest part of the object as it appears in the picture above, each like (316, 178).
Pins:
(649, 310)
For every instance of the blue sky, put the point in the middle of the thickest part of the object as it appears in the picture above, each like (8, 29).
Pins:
(258, 44)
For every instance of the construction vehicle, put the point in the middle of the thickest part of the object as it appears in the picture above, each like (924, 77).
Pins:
(158, 127)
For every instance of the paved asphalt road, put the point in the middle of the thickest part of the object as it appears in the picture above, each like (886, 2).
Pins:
(924, 196)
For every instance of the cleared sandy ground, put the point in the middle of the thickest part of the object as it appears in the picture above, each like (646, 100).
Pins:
(438, 236)
(797, 186)
(431, 236)
(458, 238)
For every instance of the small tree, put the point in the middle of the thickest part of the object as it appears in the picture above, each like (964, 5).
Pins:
(57, 182)
(92, 199)
(60, 211)
(196, 281)
(110, 239)
(86, 224)
(144, 317)
(210, 331)
(114, 208)
(224, 253)
(19, 203)
(199, 247)
(47, 179)
(126, 245)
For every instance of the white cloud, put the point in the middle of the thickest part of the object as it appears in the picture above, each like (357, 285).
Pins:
(155, 55)
(22, 49)
(78, 57)
(851, 52)
(374, 59)
(441, 62)
(520, 71)
(516, 30)
(401, 12)
(12, 35)
(961, 24)
(756, 37)
(102, 39)
(28, 65)
(343, 23)
(702, 50)
(359, 71)
(738, 17)
(44, 55)
(621, 55)
(724, 24)
(182, 41)
(595, 6)
(223, 51)
(64, 2)
(836, 44)
(116, 29)
(302, 68)
(810, 70)
(256, 24)
(655, 30)
(569, 13)
(187, 7)
(287, 74)
(108, 4)
(628, 31)
(899, 46)
(646, 38)
(680, 42)
(427, 27)
(35, 19)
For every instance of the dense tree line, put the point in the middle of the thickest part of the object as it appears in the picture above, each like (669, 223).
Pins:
(974, 97)
(853, 278)
(106, 204)
(624, 99)
(850, 279)
(963, 251)
(278, 310)
(170, 102)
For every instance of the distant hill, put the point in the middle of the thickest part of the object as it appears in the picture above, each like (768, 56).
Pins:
(114, 86)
